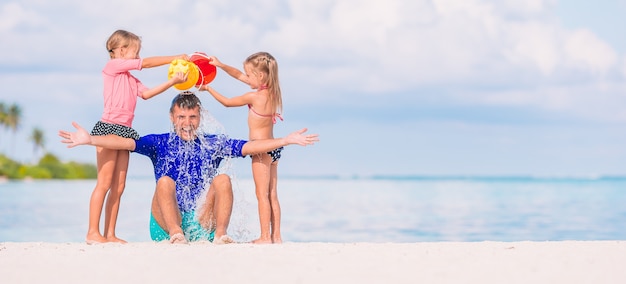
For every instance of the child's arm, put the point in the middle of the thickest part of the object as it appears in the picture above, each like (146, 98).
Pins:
(179, 77)
(232, 71)
(228, 102)
(264, 145)
(82, 137)
(155, 61)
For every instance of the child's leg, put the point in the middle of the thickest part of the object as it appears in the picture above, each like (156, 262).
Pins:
(261, 174)
(118, 184)
(275, 218)
(106, 165)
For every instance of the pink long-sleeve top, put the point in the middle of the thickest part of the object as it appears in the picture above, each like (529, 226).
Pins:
(121, 90)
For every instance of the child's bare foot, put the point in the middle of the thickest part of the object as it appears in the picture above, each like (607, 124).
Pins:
(277, 240)
(115, 239)
(93, 239)
(262, 241)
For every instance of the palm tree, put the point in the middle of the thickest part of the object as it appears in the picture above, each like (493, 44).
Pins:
(14, 119)
(3, 116)
(3, 113)
(38, 140)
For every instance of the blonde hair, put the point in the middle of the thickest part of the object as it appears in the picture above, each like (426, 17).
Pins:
(121, 38)
(266, 63)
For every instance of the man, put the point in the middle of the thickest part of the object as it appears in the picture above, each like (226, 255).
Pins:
(185, 163)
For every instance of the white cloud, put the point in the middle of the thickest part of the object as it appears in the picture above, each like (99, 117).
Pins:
(586, 101)
(354, 46)
(533, 46)
(587, 52)
(14, 16)
(364, 46)
(526, 6)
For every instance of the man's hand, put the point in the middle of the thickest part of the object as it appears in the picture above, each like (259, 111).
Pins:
(299, 138)
(72, 139)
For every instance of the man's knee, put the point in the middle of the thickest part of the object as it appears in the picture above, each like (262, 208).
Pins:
(222, 183)
(165, 184)
(165, 193)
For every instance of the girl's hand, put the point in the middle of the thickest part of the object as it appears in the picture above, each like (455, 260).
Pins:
(204, 88)
(215, 62)
(179, 77)
(72, 139)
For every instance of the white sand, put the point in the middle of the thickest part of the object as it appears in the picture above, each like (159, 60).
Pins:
(441, 262)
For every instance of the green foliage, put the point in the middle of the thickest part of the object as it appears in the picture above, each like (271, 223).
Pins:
(52, 164)
(49, 167)
(80, 171)
(35, 172)
(8, 167)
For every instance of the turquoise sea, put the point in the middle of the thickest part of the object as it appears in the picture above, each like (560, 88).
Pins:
(376, 209)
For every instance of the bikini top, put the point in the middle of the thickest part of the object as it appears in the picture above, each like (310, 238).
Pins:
(273, 116)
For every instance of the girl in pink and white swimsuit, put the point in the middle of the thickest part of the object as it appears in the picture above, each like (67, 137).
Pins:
(265, 105)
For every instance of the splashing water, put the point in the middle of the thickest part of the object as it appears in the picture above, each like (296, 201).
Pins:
(198, 162)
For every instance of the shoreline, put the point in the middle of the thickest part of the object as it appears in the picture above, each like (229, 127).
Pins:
(427, 262)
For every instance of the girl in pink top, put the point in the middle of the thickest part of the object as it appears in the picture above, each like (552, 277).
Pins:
(121, 90)
(264, 106)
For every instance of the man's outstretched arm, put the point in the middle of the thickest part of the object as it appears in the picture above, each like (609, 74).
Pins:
(82, 137)
(264, 145)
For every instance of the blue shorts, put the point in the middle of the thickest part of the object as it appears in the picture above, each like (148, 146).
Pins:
(192, 229)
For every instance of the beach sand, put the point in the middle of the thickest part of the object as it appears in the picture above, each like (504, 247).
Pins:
(429, 262)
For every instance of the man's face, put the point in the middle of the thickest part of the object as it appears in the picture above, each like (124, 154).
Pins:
(185, 122)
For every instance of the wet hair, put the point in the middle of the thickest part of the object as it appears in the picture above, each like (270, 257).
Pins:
(265, 63)
(185, 100)
(121, 38)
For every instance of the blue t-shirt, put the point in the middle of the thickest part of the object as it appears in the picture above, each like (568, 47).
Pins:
(191, 164)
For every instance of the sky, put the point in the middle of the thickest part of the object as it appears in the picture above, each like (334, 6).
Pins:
(398, 87)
